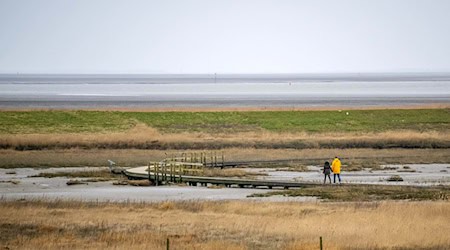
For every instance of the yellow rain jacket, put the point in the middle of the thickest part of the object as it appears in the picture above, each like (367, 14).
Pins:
(336, 166)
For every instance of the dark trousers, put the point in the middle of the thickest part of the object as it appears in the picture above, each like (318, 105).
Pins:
(325, 178)
(339, 177)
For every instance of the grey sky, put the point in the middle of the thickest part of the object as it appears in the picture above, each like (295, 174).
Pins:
(234, 36)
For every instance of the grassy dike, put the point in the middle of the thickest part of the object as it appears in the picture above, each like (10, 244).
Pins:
(37, 130)
(87, 138)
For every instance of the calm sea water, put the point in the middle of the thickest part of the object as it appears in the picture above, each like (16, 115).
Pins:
(155, 91)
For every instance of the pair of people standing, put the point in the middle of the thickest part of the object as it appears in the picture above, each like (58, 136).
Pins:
(335, 167)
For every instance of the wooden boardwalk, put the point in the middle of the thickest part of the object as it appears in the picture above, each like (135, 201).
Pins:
(142, 173)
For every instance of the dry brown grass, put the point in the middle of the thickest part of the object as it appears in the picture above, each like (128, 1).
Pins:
(78, 174)
(353, 158)
(229, 173)
(225, 225)
(239, 109)
(144, 137)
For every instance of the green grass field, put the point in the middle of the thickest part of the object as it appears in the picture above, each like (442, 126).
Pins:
(12, 122)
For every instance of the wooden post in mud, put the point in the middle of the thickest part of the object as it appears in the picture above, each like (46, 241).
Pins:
(321, 246)
(154, 172)
(163, 172)
(215, 159)
(160, 173)
(167, 244)
(171, 172)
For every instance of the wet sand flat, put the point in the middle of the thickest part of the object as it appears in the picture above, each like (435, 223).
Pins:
(27, 187)
(56, 188)
(247, 92)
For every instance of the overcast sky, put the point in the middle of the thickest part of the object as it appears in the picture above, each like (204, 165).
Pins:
(234, 36)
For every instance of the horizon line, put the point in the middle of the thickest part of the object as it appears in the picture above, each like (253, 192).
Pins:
(231, 73)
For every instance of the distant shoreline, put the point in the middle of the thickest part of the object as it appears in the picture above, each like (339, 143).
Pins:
(226, 77)
(237, 109)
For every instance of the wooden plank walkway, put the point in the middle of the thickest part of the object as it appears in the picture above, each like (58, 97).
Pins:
(141, 173)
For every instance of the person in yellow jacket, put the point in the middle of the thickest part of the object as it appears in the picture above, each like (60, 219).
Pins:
(336, 167)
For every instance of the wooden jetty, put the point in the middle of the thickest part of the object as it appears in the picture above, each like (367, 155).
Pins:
(188, 168)
(159, 176)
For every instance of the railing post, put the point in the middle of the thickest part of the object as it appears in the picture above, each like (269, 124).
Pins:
(165, 172)
(156, 173)
(171, 173)
(148, 170)
(181, 166)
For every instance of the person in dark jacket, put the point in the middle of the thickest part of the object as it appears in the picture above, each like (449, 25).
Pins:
(326, 172)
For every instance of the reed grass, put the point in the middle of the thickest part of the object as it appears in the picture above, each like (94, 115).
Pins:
(224, 225)
(352, 158)
(142, 137)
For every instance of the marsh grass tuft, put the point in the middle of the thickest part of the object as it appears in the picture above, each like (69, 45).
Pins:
(395, 178)
(76, 182)
(229, 172)
(292, 168)
(139, 183)
(98, 174)
(14, 181)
